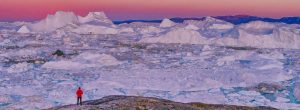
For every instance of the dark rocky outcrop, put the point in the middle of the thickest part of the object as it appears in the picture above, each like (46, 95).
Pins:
(58, 53)
(149, 103)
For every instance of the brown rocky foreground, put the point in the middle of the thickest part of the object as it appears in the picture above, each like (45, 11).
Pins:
(117, 102)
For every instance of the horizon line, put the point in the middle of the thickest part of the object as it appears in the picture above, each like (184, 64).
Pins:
(33, 20)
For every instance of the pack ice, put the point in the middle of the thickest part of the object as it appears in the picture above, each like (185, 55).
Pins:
(212, 61)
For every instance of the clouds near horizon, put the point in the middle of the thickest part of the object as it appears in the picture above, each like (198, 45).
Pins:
(148, 9)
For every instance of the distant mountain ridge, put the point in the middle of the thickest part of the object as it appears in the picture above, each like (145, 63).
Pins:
(237, 19)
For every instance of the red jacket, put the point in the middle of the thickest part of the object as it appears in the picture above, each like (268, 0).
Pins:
(79, 93)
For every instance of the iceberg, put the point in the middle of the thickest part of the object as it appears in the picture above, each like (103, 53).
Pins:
(166, 23)
(24, 29)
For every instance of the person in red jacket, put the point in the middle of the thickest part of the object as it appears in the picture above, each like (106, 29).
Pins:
(79, 94)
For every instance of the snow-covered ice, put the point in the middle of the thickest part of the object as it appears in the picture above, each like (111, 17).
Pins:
(211, 61)
(24, 29)
(183, 36)
(166, 23)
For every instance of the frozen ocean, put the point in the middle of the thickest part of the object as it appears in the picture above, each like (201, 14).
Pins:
(42, 63)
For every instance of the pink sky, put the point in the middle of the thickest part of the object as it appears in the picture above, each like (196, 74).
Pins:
(148, 9)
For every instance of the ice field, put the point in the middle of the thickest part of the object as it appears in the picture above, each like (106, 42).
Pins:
(209, 61)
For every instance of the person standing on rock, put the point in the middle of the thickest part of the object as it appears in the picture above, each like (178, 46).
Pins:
(79, 94)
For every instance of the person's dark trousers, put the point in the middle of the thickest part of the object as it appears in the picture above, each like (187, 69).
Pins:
(79, 100)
